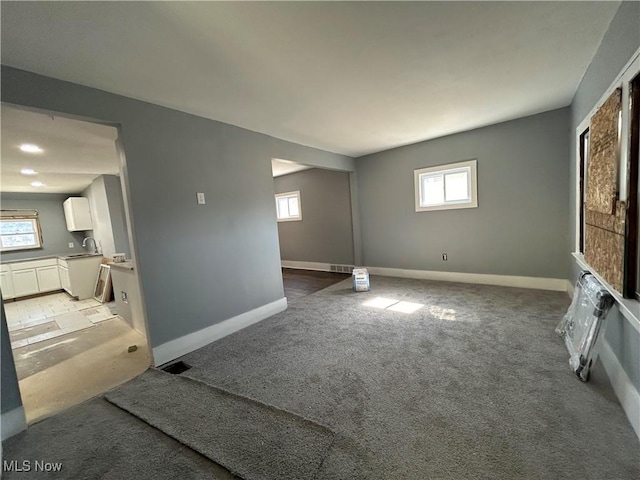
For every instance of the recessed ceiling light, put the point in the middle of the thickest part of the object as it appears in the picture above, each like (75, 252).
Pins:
(30, 148)
(37, 184)
(28, 171)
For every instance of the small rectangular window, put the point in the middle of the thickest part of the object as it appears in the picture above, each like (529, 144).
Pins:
(288, 206)
(19, 230)
(446, 186)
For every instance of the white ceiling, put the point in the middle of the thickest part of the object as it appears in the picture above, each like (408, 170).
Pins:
(74, 152)
(348, 77)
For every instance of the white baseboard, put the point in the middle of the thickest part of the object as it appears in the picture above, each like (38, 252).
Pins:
(320, 267)
(625, 391)
(13, 422)
(570, 288)
(556, 284)
(181, 346)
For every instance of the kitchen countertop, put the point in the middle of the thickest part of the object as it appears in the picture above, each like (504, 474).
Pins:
(45, 257)
(73, 257)
(128, 265)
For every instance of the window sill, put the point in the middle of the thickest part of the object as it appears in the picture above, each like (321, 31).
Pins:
(297, 219)
(629, 308)
(449, 206)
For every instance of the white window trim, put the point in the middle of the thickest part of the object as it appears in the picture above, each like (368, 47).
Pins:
(30, 215)
(627, 306)
(473, 181)
(295, 193)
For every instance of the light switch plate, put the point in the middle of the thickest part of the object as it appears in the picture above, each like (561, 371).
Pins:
(70, 244)
(200, 198)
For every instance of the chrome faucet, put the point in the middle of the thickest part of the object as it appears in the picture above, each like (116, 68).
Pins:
(95, 245)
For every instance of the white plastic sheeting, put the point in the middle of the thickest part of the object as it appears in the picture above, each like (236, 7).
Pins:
(583, 322)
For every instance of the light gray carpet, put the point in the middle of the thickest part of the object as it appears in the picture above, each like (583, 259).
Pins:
(97, 440)
(252, 440)
(474, 385)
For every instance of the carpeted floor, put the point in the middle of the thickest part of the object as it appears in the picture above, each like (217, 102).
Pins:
(473, 384)
(252, 440)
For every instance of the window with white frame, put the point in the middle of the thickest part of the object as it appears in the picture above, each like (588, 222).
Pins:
(446, 186)
(288, 206)
(19, 230)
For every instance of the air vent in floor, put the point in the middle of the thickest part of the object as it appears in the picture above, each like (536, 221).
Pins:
(176, 368)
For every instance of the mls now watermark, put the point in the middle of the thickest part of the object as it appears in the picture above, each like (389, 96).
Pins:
(30, 466)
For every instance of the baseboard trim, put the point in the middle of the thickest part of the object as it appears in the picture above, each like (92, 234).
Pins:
(13, 422)
(555, 284)
(317, 266)
(622, 386)
(570, 288)
(181, 346)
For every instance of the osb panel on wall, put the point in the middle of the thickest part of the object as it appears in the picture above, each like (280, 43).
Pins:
(604, 252)
(614, 223)
(602, 170)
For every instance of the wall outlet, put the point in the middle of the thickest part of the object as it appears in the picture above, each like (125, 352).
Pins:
(71, 245)
(200, 196)
(444, 257)
(125, 297)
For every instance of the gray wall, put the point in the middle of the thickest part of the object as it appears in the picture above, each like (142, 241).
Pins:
(113, 189)
(52, 222)
(107, 214)
(325, 233)
(100, 218)
(618, 45)
(9, 393)
(519, 227)
(193, 259)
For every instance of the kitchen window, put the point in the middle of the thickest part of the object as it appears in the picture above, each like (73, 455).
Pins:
(288, 206)
(19, 230)
(446, 187)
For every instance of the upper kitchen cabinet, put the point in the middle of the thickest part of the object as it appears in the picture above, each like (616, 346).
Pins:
(77, 214)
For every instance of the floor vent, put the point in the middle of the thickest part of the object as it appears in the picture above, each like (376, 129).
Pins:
(342, 268)
(176, 368)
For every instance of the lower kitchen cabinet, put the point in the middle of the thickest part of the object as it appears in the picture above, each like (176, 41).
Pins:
(76, 274)
(20, 279)
(65, 282)
(25, 282)
(48, 278)
(6, 283)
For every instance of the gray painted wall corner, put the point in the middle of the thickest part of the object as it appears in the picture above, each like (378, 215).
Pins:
(228, 263)
(519, 227)
(325, 233)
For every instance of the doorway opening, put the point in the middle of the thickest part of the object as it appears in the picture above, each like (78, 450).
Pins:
(69, 284)
(315, 226)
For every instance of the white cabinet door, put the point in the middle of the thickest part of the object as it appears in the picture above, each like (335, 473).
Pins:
(25, 282)
(6, 284)
(48, 278)
(77, 214)
(64, 279)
